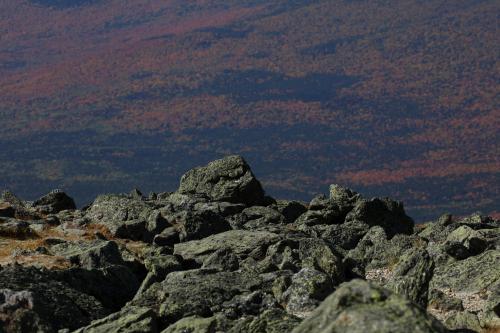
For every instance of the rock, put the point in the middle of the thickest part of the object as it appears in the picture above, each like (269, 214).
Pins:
(411, 276)
(345, 235)
(359, 306)
(54, 202)
(89, 255)
(464, 242)
(158, 267)
(241, 243)
(193, 324)
(129, 319)
(229, 179)
(198, 224)
(290, 209)
(321, 211)
(374, 251)
(222, 259)
(344, 198)
(269, 321)
(7, 210)
(123, 216)
(196, 292)
(168, 237)
(12, 228)
(34, 300)
(257, 217)
(475, 281)
(388, 214)
(308, 288)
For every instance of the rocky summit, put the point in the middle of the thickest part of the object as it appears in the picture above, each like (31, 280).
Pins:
(218, 255)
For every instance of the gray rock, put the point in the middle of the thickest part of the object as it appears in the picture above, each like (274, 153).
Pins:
(54, 202)
(129, 319)
(290, 209)
(196, 292)
(123, 216)
(256, 217)
(229, 179)
(241, 243)
(388, 214)
(12, 228)
(193, 324)
(89, 254)
(193, 225)
(475, 281)
(411, 276)
(34, 299)
(269, 321)
(359, 306)
(7, 209)
(307, 289)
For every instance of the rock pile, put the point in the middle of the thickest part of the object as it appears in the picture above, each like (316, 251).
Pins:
(218, 255)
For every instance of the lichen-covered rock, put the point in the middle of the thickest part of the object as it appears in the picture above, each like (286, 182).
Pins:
(241, 242)
(257, 217)
(34, 299)
(129, 319)
(229, 179)
(359, 306)
(411, 276)
(196, 292)
(123, 216)
(388, 214)
(307, 289)
(475, 281)
(192, 324)
(192, 225)
(89, 254)
(270, 321)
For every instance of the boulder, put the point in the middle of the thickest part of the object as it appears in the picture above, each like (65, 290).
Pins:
(359, 306)
(123, 216)
(269, 321)
(307, 289)
(229, 179)
(241, 243)
(193, 324)
(475, 281)
(34, 300)
(200, 292)
(192, 225)
(7, 209)
(388, 214)
(129, 319)
(54, 202)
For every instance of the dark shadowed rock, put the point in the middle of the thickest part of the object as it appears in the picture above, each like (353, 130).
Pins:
(386, 213)
(34, 300)
(359, 306)
(229, 179)
(54, 202)
(197, 224)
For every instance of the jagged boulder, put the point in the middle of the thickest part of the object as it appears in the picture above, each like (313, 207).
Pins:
(129, 319)
(241, 243)
(34, 300)
(474, 281)
(126, 217)
(54, 202)
(388, 214)
(229, 179)
(359, 306)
